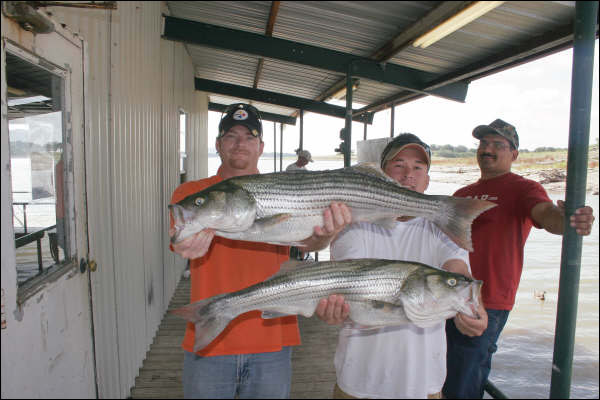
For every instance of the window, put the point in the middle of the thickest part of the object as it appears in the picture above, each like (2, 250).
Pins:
(35, 127)
(182, 152)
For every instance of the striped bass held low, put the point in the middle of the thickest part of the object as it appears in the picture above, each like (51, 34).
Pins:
(379, 293)
(284, 207)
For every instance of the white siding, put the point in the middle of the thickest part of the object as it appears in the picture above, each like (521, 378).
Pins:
(136, 84)
(47, 349)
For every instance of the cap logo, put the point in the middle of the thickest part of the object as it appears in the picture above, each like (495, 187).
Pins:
(240, 115)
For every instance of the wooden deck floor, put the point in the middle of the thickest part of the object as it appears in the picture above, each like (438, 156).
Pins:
(313, 373)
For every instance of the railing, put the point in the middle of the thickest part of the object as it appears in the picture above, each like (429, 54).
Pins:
(23, 239)
(494, 391)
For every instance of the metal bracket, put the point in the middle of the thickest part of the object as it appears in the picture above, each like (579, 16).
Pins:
(28, 17)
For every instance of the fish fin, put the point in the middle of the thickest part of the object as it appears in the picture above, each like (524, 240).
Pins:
(272, 315)
(290, 266)
(304, 308)
(261, 225)
(271, 220)
(372, 169)
(360, 327)
(457, 215)
(388, 223)
(208, 322)
(377, 313)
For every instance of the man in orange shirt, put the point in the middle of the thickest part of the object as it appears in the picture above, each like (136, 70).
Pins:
(251, 358)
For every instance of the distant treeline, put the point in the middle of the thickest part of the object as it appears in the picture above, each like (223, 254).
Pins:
(21, 149)
(449, 151)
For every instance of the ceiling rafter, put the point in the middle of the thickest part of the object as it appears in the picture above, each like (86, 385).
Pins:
(268, 32)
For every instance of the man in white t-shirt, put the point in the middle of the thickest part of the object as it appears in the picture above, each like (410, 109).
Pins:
(399, 361)
(304, 157)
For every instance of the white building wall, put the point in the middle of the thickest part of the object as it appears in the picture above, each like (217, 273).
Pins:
(136, 83)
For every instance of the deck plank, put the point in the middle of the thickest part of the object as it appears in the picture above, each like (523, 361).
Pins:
(313, 373)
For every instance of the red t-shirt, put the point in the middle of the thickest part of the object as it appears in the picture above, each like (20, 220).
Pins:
(499, 234)
(229, 266)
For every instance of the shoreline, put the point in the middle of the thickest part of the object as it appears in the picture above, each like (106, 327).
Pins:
(466, 171)
(552, 179)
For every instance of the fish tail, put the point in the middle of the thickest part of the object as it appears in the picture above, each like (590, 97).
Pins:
(207, 318)
(456, 217)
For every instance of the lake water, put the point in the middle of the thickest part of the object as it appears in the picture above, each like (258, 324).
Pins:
(522, 367)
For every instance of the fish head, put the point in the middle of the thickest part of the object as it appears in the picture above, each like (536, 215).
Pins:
(227, 208)
(437, 295)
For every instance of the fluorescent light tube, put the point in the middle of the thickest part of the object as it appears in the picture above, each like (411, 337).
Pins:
(456, 22)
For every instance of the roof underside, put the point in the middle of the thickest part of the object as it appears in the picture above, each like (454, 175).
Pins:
(513, 33)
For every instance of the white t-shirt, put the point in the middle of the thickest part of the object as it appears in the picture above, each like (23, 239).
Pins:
(294, 167)
(397, 361)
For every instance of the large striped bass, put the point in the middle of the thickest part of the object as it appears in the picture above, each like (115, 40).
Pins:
(284, 207)
(379, 293)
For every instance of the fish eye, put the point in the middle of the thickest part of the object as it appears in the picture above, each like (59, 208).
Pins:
(451, 282)
(199, 201)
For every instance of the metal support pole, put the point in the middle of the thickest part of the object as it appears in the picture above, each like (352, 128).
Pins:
(392, 120)
(348, 136)
(274, 147)
(39, 254)
(301, 130)
(281, 146)
(365, 133)
(579, 129)
(25, 218)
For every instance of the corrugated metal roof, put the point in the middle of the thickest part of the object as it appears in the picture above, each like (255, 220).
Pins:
(361, 28)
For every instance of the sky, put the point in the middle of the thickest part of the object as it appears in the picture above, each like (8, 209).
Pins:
(534, 97)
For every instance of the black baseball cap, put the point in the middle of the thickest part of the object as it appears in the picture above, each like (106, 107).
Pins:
(241, 114)
(402, 141)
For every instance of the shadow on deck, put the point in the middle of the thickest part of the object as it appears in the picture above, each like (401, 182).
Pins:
(313, 373)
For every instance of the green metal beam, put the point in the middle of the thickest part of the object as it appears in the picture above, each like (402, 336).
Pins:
(265, 116)
(199, 33)
(577, 160)
(284, 100)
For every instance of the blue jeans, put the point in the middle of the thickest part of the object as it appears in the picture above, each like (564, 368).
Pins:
(248, 376)
(469, 360)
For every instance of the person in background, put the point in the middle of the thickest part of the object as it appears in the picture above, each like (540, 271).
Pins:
(397, 361)
(304, 158)
(499, 237)
(251, 358)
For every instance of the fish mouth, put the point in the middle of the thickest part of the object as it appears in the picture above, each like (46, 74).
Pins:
(179, 215)
(474, 295)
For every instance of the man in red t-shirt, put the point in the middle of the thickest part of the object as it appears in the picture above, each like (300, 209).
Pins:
(499, 237)
(251, 358)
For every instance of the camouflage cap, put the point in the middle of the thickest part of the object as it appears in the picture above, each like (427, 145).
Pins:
(501, 128)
